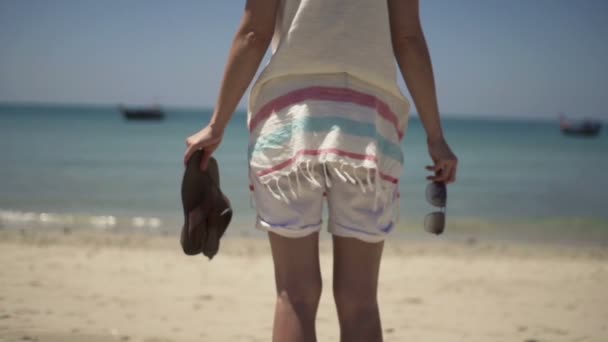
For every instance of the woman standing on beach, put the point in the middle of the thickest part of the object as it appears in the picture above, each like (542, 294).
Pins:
(326, 119)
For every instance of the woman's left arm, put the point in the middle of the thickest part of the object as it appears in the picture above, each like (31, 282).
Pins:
(248, 49)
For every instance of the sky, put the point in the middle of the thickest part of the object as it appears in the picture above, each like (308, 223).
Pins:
(491, 57)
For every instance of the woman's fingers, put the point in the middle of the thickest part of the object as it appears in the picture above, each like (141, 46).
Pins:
(452, 177)
(439, 177)
(189, 152)
(450, 172)
(195, 142)
(207, 151)
(205, 158)
(207, 139)
(433, 168)
(445, 171)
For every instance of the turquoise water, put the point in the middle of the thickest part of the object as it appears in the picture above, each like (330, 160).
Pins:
(77, 165)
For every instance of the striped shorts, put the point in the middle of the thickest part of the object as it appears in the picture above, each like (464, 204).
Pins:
(326, 135)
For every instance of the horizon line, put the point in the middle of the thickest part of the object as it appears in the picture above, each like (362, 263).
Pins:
(240, 109)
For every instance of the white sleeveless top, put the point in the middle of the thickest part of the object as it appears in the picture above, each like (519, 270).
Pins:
(333, 36)
(329, 94)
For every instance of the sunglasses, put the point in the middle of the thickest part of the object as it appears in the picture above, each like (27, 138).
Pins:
(437, 196)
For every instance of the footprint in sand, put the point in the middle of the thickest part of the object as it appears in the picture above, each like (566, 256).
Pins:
(205, 297)
(27, 311)
(35, 283)
(412, 300)
(555, 331)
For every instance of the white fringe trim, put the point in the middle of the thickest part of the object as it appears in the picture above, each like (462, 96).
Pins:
(345, 172)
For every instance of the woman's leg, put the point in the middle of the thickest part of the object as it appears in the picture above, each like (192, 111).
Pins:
(356, 268)
(298, 284)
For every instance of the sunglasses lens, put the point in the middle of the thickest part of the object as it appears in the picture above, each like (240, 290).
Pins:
(436, 194)
(434, 222)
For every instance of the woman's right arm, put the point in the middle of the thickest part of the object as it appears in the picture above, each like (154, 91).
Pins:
(412, 55)
(248, 48)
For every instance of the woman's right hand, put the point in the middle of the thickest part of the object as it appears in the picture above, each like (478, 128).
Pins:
(207, 139)
(445, 161)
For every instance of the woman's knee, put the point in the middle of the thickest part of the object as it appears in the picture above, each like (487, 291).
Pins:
(354, 303)
(301, 295)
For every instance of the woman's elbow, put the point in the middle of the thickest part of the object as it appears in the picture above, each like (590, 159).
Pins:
(406, 42)
(254, 39)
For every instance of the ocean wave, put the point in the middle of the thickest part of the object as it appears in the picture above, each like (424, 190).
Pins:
(26, 219)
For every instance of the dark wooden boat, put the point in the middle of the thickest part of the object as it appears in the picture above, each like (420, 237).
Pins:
(152, 113)
(588, 128)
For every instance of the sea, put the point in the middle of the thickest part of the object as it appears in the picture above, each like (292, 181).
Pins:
(75, 167)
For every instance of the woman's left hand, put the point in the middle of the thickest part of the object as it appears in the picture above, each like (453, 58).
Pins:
(207, 139)
(445, 162)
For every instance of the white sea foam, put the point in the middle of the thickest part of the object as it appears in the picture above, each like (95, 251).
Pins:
(27, 219)
(103, 221)
(152, 222)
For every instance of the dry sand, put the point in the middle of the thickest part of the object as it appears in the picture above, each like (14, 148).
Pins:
(112, 287)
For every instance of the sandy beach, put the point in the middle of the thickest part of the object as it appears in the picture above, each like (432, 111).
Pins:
(94, 286)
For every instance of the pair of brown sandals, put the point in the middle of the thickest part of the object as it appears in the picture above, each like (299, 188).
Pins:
(207, 211)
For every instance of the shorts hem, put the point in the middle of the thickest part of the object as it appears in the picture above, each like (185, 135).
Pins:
(288, 231)
(362, 235)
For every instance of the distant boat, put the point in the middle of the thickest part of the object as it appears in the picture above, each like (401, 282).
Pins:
(151, 113)
(587, 127)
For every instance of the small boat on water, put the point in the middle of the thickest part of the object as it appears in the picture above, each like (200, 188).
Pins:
(587, 127)
(150, 113)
